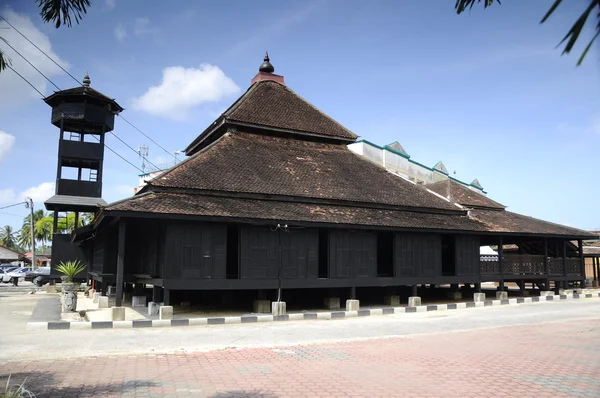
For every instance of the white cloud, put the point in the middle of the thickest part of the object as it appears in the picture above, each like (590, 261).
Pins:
(120, 32)
(19, 90)
(111, 4)
(7, 196)
(141, 27)
(6, 143)
(40, 193)
(182, 89)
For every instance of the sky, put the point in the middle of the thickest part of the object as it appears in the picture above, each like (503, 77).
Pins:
(486, 92)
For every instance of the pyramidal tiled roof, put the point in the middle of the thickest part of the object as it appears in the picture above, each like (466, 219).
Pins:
(270, 105)
(463, 195)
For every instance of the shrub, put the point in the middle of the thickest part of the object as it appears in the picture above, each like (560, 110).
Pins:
(70, 269)
(18, 391)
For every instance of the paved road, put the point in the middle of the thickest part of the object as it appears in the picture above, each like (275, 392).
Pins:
(545, 349)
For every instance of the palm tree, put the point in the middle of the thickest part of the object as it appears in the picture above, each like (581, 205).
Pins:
(42, 232)
(8, 238)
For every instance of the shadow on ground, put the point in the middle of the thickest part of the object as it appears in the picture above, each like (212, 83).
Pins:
(46, 385)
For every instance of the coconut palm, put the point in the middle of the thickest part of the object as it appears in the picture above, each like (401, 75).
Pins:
(8, 237)
(41, 234)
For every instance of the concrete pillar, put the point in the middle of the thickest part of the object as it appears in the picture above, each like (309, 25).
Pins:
(138, 301)
(393, 301)
(477, 297)
(352, 305)
(502, 295)
(103, 302)
(262, 306)
(165, 312)
(332, 303)
(278, 308)
(546, 293)
(153, 308)
(563, 292)
(96, 297)
(414, 301)
(118, 313)
(111, 291)
(578, 291)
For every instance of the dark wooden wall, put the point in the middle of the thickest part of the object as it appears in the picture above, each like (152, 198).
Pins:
(260, 252)
(104, 259)
(467, 255)
(195, 250)
(418, 255)
(352, 254)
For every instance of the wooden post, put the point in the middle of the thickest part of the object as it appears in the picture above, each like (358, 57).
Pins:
(167, 297)
(414, 291)
(564, 253)
(500, 261)
(594, 263)
(120, 263)
(546, 265)
(353, 293)
(156, 293)
(580, 244)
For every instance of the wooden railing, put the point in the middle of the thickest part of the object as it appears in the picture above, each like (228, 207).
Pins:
(525, 264)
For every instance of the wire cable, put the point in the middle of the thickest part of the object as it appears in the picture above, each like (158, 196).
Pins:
(16, 204)
(77, 81)
(32, 65)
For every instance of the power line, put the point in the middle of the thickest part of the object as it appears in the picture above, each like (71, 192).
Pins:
(16, 204)
(77, 81)
(33, 66)
(67, 116)
(39, 49)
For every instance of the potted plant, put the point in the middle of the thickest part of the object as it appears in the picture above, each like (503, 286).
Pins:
(69, 270)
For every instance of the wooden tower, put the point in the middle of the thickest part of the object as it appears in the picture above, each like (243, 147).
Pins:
(84, 116)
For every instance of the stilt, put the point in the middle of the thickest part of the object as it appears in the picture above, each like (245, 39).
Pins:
(414, 290)
(353, 293)
(156, 294)
(167, 297)
(478, 287)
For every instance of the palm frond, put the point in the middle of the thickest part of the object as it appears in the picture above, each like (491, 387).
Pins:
(62, 12)
(4, 60)
(462, 5)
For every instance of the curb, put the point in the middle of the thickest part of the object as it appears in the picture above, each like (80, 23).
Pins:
(63, 325)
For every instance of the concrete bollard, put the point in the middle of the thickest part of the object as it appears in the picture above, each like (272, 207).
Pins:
(165, 312)
(352, 305)
(262, 306)
(546, 293)
(153, 308)
(393, 301)
(278, 308)
(96, 296)
(454, 295)
(332, 303)
(103, 302)
(414, 301)
(138, 301)
(501, 295)
(477, 297)
(118, 313)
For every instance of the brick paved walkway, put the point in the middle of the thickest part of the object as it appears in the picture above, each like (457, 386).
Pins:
(556, 359)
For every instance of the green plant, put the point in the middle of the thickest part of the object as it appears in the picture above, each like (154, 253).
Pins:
(18, 391)
(70, 269)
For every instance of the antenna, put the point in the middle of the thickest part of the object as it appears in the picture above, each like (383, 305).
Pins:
(143, 151)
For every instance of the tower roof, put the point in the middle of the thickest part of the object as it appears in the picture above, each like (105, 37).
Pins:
(266, 66)
(82, 92)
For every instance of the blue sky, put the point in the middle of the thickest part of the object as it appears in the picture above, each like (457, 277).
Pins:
(486, 92)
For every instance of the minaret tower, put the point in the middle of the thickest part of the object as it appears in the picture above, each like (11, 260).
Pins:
(84, 116)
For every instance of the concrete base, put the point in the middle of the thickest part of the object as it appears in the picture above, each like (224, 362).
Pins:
(578, 291)
(454, 295)
(394, 301)
(103, 302)
(118, 313)
(332, 303)
(477, 297)
(278, 308)
(501, 295)
(96, 296)
(138, 301)
(352, 305)
(153, 308)
(546, 293)
(262, 306)
(414, 301)
(165, 312)
(564, 292)
(111, 291)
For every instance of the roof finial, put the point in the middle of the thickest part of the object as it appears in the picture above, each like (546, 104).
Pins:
(266, 66)
(86, 80)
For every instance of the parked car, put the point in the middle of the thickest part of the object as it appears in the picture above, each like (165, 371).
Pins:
(16, 274)
(4, 273)
(39, 272)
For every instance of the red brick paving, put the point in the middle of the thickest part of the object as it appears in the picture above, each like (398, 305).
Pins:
(547, 360)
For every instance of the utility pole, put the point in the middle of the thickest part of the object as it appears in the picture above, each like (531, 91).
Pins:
(29, 203)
